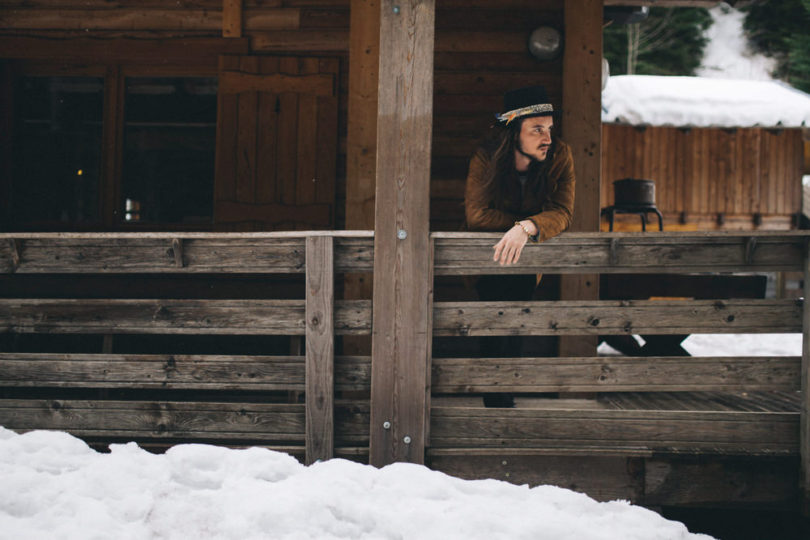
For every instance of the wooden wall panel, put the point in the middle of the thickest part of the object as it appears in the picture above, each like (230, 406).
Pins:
(714, 178)
(481, 52)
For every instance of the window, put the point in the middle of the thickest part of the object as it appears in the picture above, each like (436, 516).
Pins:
(57, 154)
(110, 148)
(169, 149)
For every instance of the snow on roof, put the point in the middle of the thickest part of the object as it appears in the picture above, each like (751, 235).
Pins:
(703, 102)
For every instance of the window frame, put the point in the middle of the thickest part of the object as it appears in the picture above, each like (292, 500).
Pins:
(110, 204)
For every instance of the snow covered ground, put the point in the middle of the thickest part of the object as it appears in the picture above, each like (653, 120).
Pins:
(54, 486)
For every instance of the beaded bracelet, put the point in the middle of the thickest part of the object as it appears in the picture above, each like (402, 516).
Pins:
(522, 226)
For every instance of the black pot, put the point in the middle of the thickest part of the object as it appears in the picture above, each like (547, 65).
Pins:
(634, 192)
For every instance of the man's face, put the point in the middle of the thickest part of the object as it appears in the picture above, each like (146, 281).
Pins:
(535, 137)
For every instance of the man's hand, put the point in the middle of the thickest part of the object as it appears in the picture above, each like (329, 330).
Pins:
(508, 249)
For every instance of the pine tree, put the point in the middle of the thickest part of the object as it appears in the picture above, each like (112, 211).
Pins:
(669, 41)
(781, 30)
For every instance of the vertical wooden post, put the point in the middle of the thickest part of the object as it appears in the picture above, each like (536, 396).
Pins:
(320, 348)
(804, 429)
(113, 135)
(401, 318)
(361, 142)
(231, 18)
(582, 129)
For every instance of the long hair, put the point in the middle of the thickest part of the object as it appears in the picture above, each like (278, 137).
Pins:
(501, 147)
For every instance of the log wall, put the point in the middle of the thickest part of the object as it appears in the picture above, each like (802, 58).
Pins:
(480, 52)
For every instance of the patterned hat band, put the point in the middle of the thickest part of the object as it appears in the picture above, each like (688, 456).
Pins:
(517, 113)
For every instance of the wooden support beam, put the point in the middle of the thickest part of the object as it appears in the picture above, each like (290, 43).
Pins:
(401, 317)
(231, 18)
(581, 126)
(804, 437)
(361, 140)
(320, 349)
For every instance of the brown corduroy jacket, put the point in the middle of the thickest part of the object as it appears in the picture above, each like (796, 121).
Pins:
(549, 204)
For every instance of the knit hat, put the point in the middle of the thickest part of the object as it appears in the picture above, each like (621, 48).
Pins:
(524, 102)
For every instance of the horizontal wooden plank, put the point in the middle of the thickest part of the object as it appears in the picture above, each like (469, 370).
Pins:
(603, 478)
(319, 84)
(456, 253)
(144, 253)
(179, 420)
(659, 481)
(104, 19)
(661, 431)
(135, 18)
(683, 481)
(300, 41)
(221, 317)
(616, 317)
(652, 252)
(200, 372)
(154, 51)
(614, 374)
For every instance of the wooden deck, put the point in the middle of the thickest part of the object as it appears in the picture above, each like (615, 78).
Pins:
(655, 430)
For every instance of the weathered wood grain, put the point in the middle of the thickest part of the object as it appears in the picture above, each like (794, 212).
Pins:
(600, 477)
(223, 317)
(616, 317)
(665, 431)
(232, 22)
(722, 481)
(320, 349)
(210, 421)
(361, 139)
(401, 330)
(464, 253)
(614, 374)
(581, 103)
(154, 254)
(181, 372)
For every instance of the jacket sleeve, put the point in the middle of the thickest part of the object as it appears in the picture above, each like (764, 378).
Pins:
(478, 209)
(558, 209)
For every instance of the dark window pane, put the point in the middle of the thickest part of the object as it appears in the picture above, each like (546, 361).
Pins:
(57, 161)
(169, 146)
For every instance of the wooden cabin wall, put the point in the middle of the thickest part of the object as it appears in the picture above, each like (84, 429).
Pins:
(710, 178)
(186, 34)
(481, 52)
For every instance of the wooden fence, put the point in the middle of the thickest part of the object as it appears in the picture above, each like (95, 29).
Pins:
(646, 407)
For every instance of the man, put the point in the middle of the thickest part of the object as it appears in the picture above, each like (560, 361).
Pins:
(521, 181)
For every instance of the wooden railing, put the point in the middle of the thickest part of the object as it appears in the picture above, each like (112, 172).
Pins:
(221, 397)
(148, 415)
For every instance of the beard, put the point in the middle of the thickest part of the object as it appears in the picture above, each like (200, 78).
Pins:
(532, 157)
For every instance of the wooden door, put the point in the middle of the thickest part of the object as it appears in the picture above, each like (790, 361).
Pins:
(276, 143)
